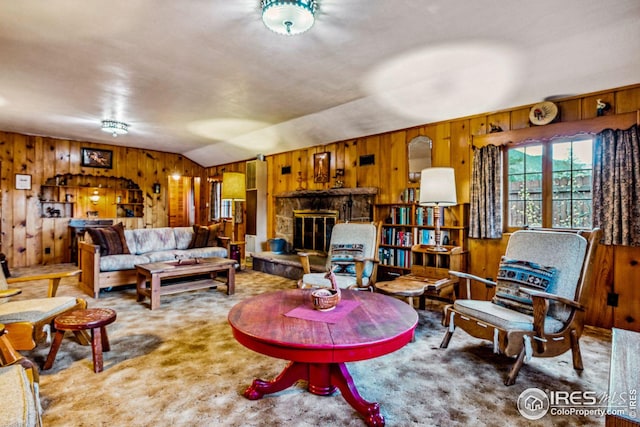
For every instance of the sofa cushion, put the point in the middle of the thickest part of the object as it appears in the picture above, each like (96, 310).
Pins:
(208, 252)
(18, 402)
(122, 262)
(130, 237)
(200, 236)
(184, 235)
(110, 239)
(514, 275)
(159, 256)
(154, 239)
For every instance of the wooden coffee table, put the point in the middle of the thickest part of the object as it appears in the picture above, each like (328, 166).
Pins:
(318, 350)
(150, 276)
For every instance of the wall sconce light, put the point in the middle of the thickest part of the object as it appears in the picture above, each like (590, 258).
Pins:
(156, 188)
(95, 197)
(175, 176)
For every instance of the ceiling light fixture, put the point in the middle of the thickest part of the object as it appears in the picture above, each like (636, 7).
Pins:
(289, 17)
(115, 127)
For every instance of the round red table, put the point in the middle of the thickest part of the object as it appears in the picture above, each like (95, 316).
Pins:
(95, 319)
(318, 350)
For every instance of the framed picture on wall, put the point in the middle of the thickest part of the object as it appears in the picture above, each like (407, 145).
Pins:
(23, 182)
(321, 167)
(94, 158)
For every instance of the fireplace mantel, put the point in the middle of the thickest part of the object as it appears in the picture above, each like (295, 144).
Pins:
(332, 192)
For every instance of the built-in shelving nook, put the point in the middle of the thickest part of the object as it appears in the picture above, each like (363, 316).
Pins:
(89, 196)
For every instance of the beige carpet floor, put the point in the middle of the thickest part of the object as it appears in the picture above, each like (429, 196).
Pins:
(180, 366)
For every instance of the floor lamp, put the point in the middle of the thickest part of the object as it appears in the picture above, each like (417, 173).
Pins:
(438, 189)
(233, 188)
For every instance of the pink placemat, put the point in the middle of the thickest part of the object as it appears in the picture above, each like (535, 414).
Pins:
(307, 312)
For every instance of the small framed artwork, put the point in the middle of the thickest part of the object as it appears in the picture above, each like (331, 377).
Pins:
(95, 158)
(321, 167)
(23, 182)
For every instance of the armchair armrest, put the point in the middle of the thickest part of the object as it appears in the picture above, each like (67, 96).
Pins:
(553, 297)
(224, 241)
(6, 293)
(540, 309)
(469, 278)
(304, 260)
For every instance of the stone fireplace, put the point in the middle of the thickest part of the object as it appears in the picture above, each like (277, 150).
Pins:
(319, 209)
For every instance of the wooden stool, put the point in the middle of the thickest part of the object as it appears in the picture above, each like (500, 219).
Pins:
(79, 321)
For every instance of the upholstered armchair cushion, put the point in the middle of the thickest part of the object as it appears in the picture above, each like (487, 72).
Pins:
(343, 258)
(514, 275)
(502, 317)
(18, 403)
(317, 280)
(543, 248)
(34, 310)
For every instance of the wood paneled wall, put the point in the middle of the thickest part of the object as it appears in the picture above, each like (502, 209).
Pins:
(28, 239)
(619, 266)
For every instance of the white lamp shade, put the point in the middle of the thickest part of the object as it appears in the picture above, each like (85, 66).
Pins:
(438, 187)
(233, 187)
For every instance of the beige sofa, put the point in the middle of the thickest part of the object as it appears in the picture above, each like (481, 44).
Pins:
(144, 245)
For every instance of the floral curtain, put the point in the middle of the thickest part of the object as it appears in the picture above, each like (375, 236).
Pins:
(486, 194)
(616, 186)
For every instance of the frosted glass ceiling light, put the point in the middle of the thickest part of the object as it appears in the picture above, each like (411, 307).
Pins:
(289, 17)
(115, 128)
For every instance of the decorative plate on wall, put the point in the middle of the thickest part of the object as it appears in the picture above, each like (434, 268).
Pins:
(543, 113)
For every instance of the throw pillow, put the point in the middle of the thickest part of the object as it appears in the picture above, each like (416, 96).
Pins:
(110, 239)
(200, 237)
(342, 259)
(214, 232)
(514, 275)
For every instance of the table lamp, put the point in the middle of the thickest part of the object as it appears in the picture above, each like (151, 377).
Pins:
(233, 188)
(438, 189)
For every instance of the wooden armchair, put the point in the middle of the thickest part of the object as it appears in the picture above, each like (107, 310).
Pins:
(19, 381)
(353, 257)
(28, 321)
(545, 316)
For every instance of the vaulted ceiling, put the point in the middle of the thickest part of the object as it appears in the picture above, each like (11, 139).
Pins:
(206, 78)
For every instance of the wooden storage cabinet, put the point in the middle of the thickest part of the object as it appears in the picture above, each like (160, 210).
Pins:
(428, 262)
(409, 224)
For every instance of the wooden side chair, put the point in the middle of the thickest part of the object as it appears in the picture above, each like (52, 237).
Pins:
(28, 321)
(541, 297)
(353, 257)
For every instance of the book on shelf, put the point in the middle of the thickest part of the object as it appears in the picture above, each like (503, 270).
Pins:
(425, 216)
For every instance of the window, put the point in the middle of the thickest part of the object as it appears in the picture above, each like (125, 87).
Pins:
(219, 208)
(549, 184)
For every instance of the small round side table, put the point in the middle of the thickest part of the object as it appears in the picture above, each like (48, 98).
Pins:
(94, 319)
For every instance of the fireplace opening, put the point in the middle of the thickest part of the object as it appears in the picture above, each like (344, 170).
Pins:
(312, 229)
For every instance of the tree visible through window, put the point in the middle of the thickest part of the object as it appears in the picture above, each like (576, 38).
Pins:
(549, 185)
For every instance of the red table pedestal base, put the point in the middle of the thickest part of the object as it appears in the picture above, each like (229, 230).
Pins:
(323, 379)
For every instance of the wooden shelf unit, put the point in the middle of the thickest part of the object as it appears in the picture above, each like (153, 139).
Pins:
(409, 224)
(427, 262)
(68, 196)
